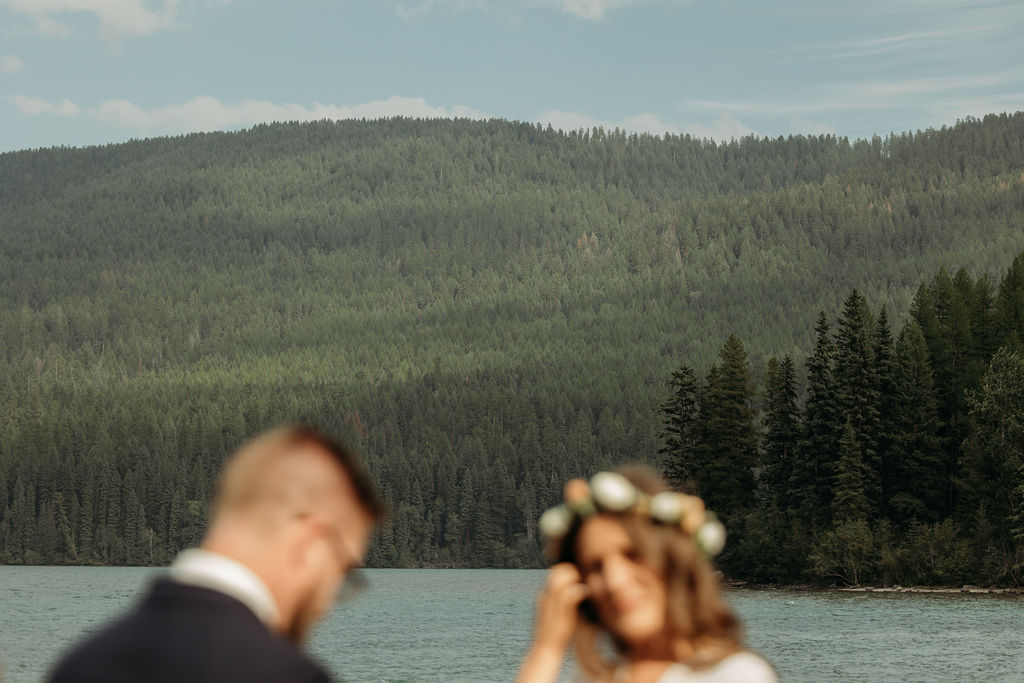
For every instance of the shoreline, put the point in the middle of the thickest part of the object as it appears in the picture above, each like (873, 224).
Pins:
(966, 589)
(969, 590)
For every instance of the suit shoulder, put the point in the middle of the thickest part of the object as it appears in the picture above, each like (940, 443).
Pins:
(180, 633)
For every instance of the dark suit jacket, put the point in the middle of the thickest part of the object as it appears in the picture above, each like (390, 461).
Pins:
(186, 633)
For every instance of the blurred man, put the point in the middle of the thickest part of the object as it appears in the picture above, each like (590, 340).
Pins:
(290, 524)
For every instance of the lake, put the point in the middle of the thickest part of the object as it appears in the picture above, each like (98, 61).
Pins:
(473, 625)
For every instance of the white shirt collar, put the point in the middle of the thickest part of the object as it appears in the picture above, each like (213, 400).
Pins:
(196, 567)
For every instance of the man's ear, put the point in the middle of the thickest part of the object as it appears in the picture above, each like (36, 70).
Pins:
(304, 536)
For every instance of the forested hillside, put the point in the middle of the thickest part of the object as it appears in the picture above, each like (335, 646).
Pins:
(484, 308)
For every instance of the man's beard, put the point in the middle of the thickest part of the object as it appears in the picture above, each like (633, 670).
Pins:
(302, 622)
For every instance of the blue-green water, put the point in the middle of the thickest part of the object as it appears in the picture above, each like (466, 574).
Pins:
(473, 625)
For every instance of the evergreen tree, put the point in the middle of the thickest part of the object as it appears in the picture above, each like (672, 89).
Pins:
(782, 428)
(918, 489)
(942, 313)
(850, 502)
(814, 469)
(985, 331)
(1010, 305)
(995, 450)
(885, 372)
(680, 412)
(857, 388)
(728, 450)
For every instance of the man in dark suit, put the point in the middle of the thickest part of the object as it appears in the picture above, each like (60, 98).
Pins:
(290, 524)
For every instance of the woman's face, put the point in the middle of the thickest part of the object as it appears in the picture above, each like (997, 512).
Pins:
(630, 597)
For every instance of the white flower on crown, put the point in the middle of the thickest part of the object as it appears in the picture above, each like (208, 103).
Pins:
(667, 507)
(711, 537)
(613, 492)
(555, 522)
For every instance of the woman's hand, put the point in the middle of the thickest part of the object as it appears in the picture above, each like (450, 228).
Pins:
(558, 607)
(557, 615)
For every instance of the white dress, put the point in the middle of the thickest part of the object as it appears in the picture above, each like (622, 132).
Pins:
(742, 667)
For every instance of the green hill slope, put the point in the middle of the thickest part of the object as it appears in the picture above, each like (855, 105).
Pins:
(486, 308)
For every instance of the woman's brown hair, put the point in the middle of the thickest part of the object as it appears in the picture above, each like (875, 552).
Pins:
(703, 629)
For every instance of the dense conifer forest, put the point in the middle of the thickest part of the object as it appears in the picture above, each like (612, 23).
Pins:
(903, 464)
(487, 308)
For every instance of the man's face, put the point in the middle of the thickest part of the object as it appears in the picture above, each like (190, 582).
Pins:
(343, 537)
(347, 540)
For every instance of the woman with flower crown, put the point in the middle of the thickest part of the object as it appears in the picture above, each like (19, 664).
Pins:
(633, 587)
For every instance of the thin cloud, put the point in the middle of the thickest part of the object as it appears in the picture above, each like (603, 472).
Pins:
(926, 30)
(909, 37)
(9, 64)
(639, 123)
(725, 127)
(33, 106)
(799, 126)
(930, 6)
(958, 107)
(209, 113)
(911, 93)
(409, 12)
(921, 42)
(593, 10)
(118, 18)
(569, 121)
(876, 46)
(911, 9)
(598, 9)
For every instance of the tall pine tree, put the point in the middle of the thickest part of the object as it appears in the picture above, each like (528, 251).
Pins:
(857, 388)
(727, 452)
(814, 468)
(782, 428)
(1010, 305)
(884, 369)
(850, 502)
(918, 487)
(680, 412)
(995, 450)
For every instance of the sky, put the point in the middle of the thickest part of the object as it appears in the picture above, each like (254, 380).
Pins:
(87, 72)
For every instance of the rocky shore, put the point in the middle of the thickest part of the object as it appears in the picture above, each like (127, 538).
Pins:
(965, 589)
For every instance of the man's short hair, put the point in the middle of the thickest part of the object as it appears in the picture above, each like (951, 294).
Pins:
(234, 491)
(362, 482)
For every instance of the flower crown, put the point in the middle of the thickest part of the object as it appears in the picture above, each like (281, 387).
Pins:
(612, 492)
